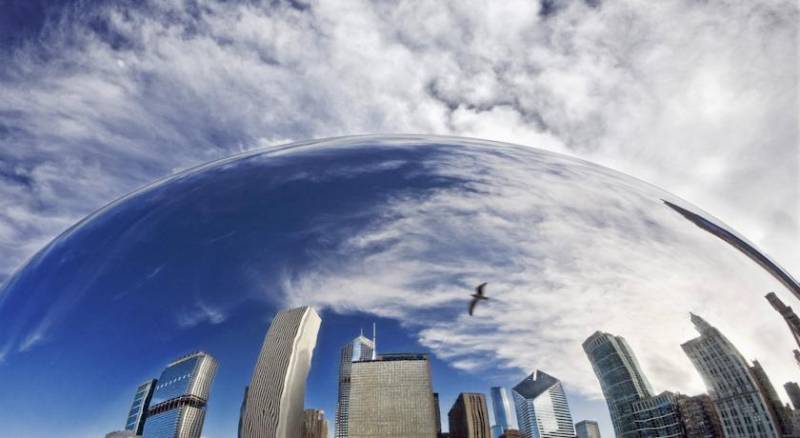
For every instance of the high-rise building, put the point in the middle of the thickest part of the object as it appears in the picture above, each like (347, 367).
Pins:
(621, 379)
(391, 397)
(141, 403)
(743, 410)
(178, 405)
(587, 429)
(274, 404)
(241, 412)
(469, 416)
(437, 413)
(542, 409)
(793, 391)
(699, 417)
(314, 424)
(657, 416)
(780, 414)
(358, 349)
(501, 406)
(791, 318)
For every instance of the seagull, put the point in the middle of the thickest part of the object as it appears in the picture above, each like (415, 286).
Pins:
(477, 296)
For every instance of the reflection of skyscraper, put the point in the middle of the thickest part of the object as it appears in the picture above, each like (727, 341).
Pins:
(501, 406)
(314, 424)
(779, 413)
(542, 409)
(469, 416)
(791, 318)
(139, 407)
(699, 417)
(587, 429)
(743, 410)
(391, 397)
(178, 405)
(793, 391)
(358, 349)
(274, 404)
(621, 379)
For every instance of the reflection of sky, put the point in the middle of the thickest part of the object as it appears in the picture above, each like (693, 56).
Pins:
(397, 235)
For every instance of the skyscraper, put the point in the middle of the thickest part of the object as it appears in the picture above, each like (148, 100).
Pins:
(699, 417)
(793, 391)
(587, 429)
(437, 413)
(791, 318)
(314, 424)
(501, 406)
(358, 349)
(743, 410)
(392, 397)
(139, 407)
(657, 416)
(469, 416)
(780, 414)
(542, 409)
(621, 379)
(274, 404)
(178, 406)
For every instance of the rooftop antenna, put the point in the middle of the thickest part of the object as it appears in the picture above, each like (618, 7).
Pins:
(374, 341)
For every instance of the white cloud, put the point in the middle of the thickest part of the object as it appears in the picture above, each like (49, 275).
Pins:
(200, 313)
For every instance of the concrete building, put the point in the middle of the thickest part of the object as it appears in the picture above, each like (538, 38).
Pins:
(587, 429)
(139, 407)
(392, 397)
(657, 416)
(744, 411)
(793, 391)
(542, 409)
(469, 416)
(314, 424)
(274, 402)
(178, 405)
(501, 407)
(621, 379)
(358, 349)
(699, 417)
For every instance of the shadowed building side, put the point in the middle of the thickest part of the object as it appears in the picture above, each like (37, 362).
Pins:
(469, 417)
(139, 407)
(274, 402)
(314, 424)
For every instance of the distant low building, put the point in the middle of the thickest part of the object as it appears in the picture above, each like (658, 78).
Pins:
(314, 424)
(699, 417)
(122, 434)
(587, 429)
(511, 433)
(469, 417)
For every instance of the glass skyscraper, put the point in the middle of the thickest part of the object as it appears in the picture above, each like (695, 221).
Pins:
(139, 407)
(621, 379)
(542, 409)
(358, 349)
(501, 406)
(178, 405)
(743, 409)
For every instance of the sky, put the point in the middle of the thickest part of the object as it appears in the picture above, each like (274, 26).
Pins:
(98, 99)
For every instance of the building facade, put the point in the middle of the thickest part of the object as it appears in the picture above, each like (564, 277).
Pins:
(657, 416)
(501, 406)
(469, 417)
(587, 429)
(358, 349)
(793, 391)
(274, 403)
(621, 379)
(315, 425)
(392, 397)
(781, 415)
(178, 405)
(744, 412)
(699, 417)
(437, 413)
(542, 409)
(139, 407)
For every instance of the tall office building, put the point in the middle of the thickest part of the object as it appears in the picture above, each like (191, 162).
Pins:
(621, 379)
(542, 409)
(314, 424)
(274, 404)
(437, 413)
(358, 349)
(793, 391)
(780, 414)
(241, 412)
(699, 417)
(587, 429)
(469, 416)
(791, 318)
(743, 410)
(178, 406)
(657, 416)
(391, 397)
(501, 406)
(141, 403)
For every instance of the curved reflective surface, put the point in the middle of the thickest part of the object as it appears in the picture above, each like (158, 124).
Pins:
(395, 231)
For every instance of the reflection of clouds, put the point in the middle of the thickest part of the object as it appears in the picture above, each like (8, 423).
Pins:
(567, 249)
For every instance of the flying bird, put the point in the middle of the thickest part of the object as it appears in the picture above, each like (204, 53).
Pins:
(477, 296)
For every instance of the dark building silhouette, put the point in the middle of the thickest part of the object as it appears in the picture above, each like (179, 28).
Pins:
(469, 417)
(793, 391)
(699, 417)
(780, 414)
(438, 413)
(791, 318)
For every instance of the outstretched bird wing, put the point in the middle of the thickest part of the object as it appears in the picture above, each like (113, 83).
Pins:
(472, 305)
(479, 289)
